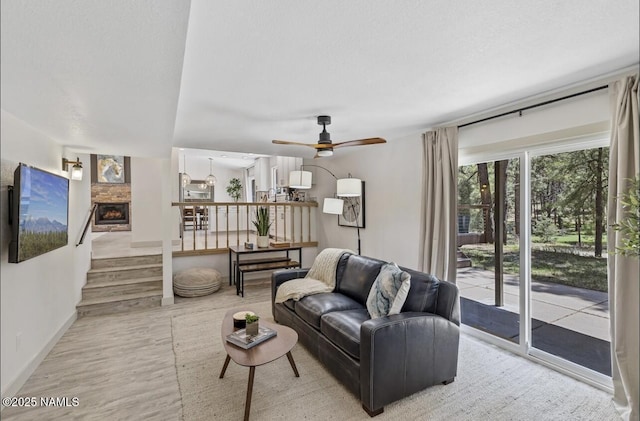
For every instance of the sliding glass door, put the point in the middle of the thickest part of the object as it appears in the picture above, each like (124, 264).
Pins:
(488, 249)
(569, 299)
(532, 261)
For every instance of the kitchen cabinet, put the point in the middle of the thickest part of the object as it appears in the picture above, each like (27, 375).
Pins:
(285, 165)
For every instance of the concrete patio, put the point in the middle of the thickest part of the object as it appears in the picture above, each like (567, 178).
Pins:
(567, 321)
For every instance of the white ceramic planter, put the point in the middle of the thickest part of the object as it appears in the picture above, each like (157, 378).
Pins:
(263, 241)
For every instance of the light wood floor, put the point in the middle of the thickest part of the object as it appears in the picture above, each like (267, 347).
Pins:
(121, 367)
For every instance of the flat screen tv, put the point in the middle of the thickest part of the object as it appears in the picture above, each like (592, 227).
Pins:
(39, 213)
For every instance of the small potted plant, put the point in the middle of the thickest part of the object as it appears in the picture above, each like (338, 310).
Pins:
(262, 224)
(234, 189)
(252, 324)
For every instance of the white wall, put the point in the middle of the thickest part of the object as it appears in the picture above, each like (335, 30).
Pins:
(581, 118)
(38, 295)
(146, 201)
(391, 173)
(223, 176)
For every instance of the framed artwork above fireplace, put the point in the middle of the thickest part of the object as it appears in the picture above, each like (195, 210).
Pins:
(110, 169)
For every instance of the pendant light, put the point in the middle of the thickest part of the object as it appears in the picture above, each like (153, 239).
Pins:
(211, 179)
(186, 179)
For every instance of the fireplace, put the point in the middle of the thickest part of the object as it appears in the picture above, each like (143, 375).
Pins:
(112, 214)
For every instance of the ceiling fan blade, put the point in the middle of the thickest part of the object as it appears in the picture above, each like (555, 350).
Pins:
(286, 142)
(369, 141)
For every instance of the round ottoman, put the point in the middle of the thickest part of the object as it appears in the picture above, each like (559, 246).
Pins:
(196, 282)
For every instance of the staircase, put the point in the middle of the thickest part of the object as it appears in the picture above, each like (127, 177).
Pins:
(120, 284)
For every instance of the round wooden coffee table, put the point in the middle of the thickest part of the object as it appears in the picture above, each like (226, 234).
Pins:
(263, 353)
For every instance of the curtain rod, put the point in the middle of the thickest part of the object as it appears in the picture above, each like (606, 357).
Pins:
(520, 110)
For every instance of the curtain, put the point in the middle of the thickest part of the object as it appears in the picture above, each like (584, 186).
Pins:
(439, 217)
(624, 272)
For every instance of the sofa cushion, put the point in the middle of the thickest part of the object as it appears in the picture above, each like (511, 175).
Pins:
(389, 291)
(357, 277)
(312, 307)
(423, 295)
(343, 329)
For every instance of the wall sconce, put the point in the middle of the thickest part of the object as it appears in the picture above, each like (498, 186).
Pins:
(76, 170)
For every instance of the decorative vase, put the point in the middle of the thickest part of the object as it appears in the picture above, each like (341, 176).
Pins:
(263, 241)
(252, 328)
(239, 321)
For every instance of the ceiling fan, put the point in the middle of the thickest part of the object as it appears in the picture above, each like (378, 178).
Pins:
(325, 147)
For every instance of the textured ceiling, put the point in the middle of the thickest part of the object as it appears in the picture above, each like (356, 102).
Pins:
(137, 77)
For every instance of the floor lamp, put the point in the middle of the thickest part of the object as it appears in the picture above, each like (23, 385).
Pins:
(345, 187)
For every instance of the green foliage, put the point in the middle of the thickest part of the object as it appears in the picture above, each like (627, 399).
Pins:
(234, 189)
(35, 243)
(629, 225)
(548, 266)
(251, 318)
(262, 222)
(546, 229)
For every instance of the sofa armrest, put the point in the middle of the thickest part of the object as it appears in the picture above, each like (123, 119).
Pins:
(281, 276)
(405, 353)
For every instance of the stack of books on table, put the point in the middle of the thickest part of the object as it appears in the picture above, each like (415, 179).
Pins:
(241, 339)
(280, 244)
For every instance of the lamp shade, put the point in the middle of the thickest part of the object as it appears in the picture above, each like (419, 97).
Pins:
(349, 187)
(300, 179)
(76, 172)
(333, 206)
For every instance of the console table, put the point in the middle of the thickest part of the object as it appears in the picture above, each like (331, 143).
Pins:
(240, 262)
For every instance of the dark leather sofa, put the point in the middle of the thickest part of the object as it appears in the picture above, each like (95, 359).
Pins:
(379, 360)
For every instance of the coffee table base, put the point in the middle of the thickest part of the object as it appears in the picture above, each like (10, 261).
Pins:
(252, 372)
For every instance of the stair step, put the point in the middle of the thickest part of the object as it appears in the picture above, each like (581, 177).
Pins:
(120, 287)
(124, 272)
(119, 303)
(116, 262)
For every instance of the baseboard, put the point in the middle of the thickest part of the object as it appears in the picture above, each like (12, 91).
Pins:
(167, 301)
(14, 386)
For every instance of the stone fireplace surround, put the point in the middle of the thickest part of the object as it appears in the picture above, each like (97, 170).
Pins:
(111, 193)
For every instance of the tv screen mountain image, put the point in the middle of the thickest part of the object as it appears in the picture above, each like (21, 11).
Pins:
(40, 209)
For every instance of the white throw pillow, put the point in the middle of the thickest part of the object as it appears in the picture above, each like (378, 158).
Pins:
(389, 291)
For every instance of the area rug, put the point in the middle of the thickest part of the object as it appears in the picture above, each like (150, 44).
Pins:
(492, 384)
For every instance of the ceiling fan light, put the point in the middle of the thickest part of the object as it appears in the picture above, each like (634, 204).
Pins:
(333, 206)
(349, 187)
(325, 152)
(300, 179)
